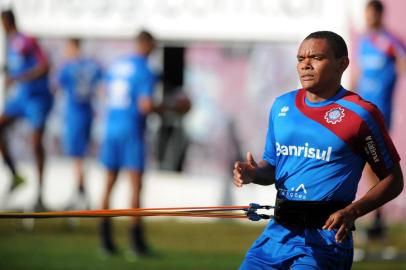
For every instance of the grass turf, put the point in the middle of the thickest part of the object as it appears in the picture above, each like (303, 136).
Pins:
(178, 245)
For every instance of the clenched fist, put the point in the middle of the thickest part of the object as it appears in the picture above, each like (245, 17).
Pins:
(244, 172)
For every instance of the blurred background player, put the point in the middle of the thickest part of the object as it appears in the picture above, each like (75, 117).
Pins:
(129, 86)
(28, 96)
(79, 78)
(381, 57)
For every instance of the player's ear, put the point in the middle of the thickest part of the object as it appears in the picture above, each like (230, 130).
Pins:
(343, 63)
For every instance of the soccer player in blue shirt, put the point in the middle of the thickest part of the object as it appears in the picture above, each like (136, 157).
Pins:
(129, 86)
(79, 77)
(319, 139)
(28, 95)
(381, 56)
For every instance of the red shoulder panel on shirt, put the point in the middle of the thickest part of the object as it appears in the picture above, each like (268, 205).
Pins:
(377, 116)
(345, 124)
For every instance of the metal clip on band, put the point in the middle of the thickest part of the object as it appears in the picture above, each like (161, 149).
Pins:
(252, 214)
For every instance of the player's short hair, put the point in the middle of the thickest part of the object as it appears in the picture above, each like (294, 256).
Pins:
(376, 5)
(8, 15)
(145, 36)
(75, 41)
(336, 42)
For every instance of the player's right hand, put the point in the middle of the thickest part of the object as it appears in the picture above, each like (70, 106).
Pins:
(244, 171)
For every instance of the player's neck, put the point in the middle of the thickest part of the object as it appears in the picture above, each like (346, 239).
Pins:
(12, 32)
(376, 29)
(74, 56)
(320, 96)
(140, 52)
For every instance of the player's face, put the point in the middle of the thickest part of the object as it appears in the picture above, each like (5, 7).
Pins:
(145, 47)
(71, 50)
(6, 24)
(373, 18)
(317, 66)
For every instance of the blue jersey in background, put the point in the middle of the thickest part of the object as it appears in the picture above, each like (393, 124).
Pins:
(79, 79)
(30, 99)
(128, 79)
(377, 59)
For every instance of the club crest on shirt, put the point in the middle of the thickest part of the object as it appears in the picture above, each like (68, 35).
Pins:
(334, 115)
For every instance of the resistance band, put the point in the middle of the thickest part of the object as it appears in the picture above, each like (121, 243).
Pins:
(249, 212)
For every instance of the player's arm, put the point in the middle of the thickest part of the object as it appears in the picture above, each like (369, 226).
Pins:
(384, 161)
(386, 190)
(40, 68)
(146, 84)
(386, 167)
(398, 50)
(145, 105)
(61, 80)
(401, 62)
(37, 71)
(261, 173)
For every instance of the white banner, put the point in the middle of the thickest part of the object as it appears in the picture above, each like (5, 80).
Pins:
(182, 20)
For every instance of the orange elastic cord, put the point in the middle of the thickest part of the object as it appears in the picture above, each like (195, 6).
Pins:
(213, 211)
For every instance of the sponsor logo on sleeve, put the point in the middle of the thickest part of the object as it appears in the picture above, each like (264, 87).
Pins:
(370, 148)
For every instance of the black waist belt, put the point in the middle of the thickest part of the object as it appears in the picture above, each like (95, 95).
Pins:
(309, 214)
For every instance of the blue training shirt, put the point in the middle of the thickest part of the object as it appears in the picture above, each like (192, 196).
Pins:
(377, 59)
(79, 79)
(319, 151)
(128, 79)
(23, 54)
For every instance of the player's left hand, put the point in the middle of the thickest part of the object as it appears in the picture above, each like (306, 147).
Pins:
(343, 220)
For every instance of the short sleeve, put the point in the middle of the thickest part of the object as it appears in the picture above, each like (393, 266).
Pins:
(99, 73)
(62, 77)
(400, 48)
(393, 47)
(146, 83)
(375, 144)
(269, 151)
(31, 47)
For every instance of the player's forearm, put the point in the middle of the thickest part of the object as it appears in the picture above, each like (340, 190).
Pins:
(386, 190)
(265, 174)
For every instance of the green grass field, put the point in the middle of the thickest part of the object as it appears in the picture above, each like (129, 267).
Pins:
(178, 245)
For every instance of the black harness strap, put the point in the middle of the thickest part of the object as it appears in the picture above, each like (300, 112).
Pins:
(309, 214)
